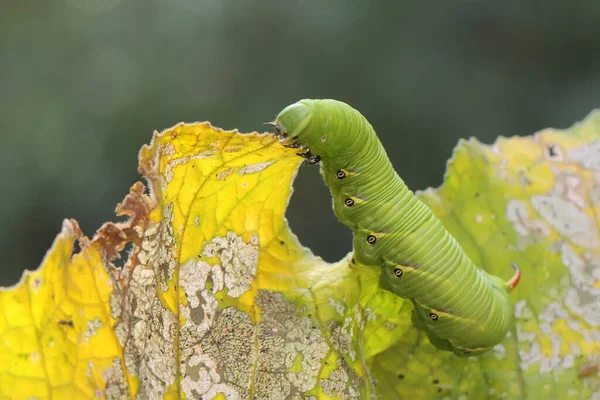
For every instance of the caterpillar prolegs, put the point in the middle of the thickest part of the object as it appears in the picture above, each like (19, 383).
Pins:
(460, 307)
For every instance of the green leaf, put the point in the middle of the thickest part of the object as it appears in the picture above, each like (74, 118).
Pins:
(536, 201)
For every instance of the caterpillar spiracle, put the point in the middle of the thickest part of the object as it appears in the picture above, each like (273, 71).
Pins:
(459, 306)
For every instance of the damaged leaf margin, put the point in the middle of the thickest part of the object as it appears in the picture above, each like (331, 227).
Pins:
(216, 297)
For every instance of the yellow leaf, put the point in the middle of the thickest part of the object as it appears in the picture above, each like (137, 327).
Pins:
(56, 326)
(217, 298)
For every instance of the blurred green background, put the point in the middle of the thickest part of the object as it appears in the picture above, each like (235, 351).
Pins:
(83, 83)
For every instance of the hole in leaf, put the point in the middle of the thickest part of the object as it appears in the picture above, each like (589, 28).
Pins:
(311, 217)
(147, 190)
(76, 248)
(124, 254)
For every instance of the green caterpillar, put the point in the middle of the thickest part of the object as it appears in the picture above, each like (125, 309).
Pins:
(461, 308)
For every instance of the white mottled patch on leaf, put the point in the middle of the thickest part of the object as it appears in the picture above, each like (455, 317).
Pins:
(517, 213)
(225, 351)
(225, 173)
(555, 359)
(371, 316)
(567, 219)
(587, 307)
(522, 311)
(145, 328)
(341, 336)
(342, 382)
(389, 325)
(174, 163)
(531, 356)
(92, 329)
(337, 306)
(207, 385)
(116, 387)
(552, 311)
(582, 299)
(299, 336)
(573, 190)
(217, 278)
(192, 277)
(588, 155)
(524, 336)
(499, 351)
(201, 309)
(220, 362)
(90, 367)
(239, 261)
(166, 269)
(253, 168)
(235, 352)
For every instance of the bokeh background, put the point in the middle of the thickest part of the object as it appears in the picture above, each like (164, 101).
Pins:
(83, 83)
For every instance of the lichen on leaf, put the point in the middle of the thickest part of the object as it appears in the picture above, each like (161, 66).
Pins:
(535, 201)
(218, 299)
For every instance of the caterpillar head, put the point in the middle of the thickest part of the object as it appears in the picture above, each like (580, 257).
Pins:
(294, 121)
(326, 127)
